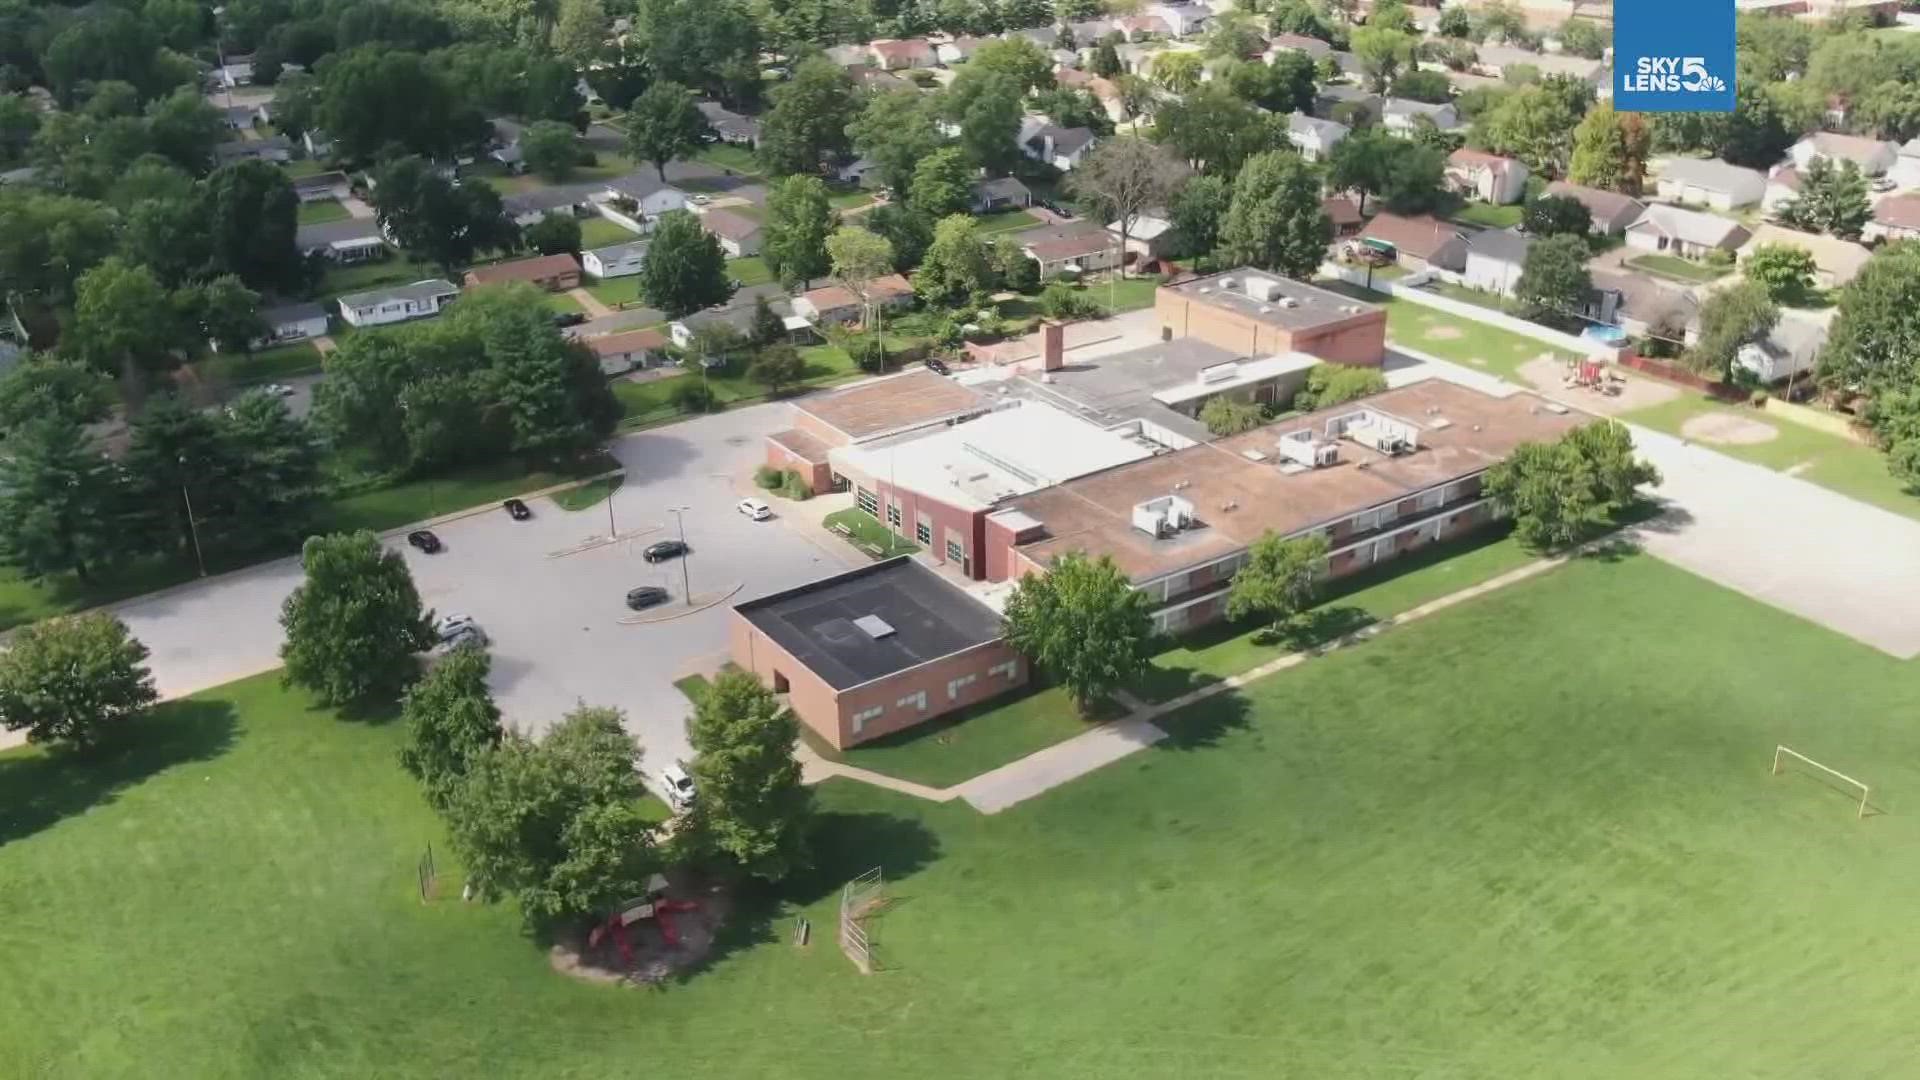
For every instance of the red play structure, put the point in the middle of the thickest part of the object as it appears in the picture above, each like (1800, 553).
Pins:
(653, 906)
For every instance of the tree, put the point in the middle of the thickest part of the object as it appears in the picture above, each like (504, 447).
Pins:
(1382, 52)
(227, 314)
(1784, 271)
(1557, 215)
(1455, 22)
(798, 221)
(451, 721)
(554, 234)
(751, 807)
(1584, 37)
(1225, 416)
(1177, 72)
(433, 217)
(1276, 221)
(1280, 579)
(896, 131)
(1233, 33)
(1123, 178)
(183, 128)
(18, 122)
(1336, 384)
(664, 126)
(1876, 332)
(809, 118)
(777, 367)
(1610, 150)
(1429, 86)
(252, 215)
(1105, 61)
(956, 266)
(1731, 317)
(547, 393)
(988, 108)
(1213, 130)
(547, 146)
(373, 99)
(907, 232)
(354, 625)
(766, 327)
(1560, 493)
(58, 495)
(1554, 283)
(580, 31)
(270, 490)
(1197, 210)
(41, 387)
(858, 257)
(560, 823)
(1832, 199)
(123, 320)
(685, 269)
(1017, 58)
(1082, 621)
(74, 679)
(942, 183)
(1534, 124)
(1407, 176)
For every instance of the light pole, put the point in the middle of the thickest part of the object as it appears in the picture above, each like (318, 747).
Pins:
(686, 581)
(193, 527)
(612, 533)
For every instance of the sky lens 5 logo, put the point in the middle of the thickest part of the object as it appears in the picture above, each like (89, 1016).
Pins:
(1673, 57)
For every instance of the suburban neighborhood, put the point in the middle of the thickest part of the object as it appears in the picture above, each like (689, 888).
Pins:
(894, 540)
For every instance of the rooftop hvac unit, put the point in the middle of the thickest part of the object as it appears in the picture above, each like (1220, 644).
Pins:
(1289, 302)
(1226, 284)
(1253, 455)
(1325, 454)
(1262, 288)
(1164, 516)
(1440, 424)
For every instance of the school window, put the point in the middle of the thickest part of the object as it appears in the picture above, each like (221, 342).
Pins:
(893, 514)
(956, 552)
(923, 532)
(864, 500)
(1431, 499)
(860, 718)
(954, 686)
(913, 701)
(1009, 669)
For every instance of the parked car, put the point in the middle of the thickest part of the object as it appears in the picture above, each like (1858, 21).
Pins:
(937, 366)
(677, 786)
(457, 630)
(755, 509)
(698, 200)
(279, 389)
(1884, 183)
(568, 318)
(646, 596)
(517, 510)
(664, 549)
(424, 540)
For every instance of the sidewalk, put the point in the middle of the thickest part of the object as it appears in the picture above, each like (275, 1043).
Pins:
(591, 303)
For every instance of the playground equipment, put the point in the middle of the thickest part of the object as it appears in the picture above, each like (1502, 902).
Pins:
(1591, 373)
(649, 905)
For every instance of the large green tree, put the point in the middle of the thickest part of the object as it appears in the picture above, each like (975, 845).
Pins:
(183, 128)
(123, 320)
(252, 216)
(1124, 178)
(1554, 283)
(1534, 124)
(72, 680)
(1276, 221)
(1383, 53)
(1197, 210)
(1785, 271)
(1281, 577)
(663, 126)
(375, 99)
(809, 118)
(443, 222)
(549, 147)
(896, 131)
(1610, 150)
(1213, 130)
(451, 721)
(794, 239)
(59, 498)
(1082, 622)
(1731, 317)
(1874, 343)
(685, 269)
(988, 106)
(1832, 199)
(957, 265)
(1563, 492)
(47, 241)
(942, 183)
(750, 807)
(354, 625)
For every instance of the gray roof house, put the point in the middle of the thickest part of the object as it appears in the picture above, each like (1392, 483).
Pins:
(271, 148)
(1687, 233)
(1709, 182)
(1640, 305)
(313, 238)
(1495, 259)
(1612, 212)
(398, 303)
(1314, 138)
(1402, 115)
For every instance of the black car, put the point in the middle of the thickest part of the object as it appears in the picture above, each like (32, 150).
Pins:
(424, 540)
(517, 510)
(665, 549)
(938, 366)
(646, 596)
(568, 318)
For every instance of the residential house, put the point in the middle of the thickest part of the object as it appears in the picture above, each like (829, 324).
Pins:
(1487, 177)
(896, 54)
(856, 171)
(1641, 305)
(504, 147)
(636, 201)
(235, 73)
(1314, 138)
(527, 207)
(1105, 91)
(1906, 167)
(615, 260)
(959, 50)
(1611, 211)
(317, 143)
(1896, 217)
(1790, 349)
(839, 304)
(1873, 157)
(850, 55)
(730, 126)
(1783, 187)
(1070, 250)
(1089, 31)
(736, 316)
(1044, 36)
(346, 241)
(263, 113)
(1338, 102)
(1142, 27)
(1687, 233)
(238, 117)
(1004, 193)
(1344, 214)
(1835, 261)
(319, 187)
(1495, 260)
(1061, 147)
(738, 234)
(1404, 117)
(1182, 19)
(275, 148)
(1151, 236)
(1711, 182)
(628, 350)
(1419, 242)
(291, 322)
(398, 303)
(554, 273)
(878, 81)
(1312, 46)
(1496, 61)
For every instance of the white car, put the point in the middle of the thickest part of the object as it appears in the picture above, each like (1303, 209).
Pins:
(755, 509)
(677, 786)
(279, 389)
(698, 200)
(456, 630)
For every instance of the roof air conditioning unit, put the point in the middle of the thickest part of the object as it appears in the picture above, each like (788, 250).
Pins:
(1289, 302)
(1325, 454)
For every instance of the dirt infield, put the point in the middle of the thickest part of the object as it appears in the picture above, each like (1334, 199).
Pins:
(1728, 429)
(1547, 375)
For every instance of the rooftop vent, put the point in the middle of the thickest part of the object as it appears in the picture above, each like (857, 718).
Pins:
(1253, 455)
(1226, 284)
(874, 626)
(1440, 423)
(1262, 288)
(1289, 302)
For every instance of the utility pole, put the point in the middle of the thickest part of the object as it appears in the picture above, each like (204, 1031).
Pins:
(686, 581)
(193, 527)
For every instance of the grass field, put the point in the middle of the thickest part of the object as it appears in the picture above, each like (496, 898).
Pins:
(299, 358)
(1532, 836)
(1449, 337)
(751, 270)
(597, 232)
(869, 534)
(652, 401)
(415, 500)
(614, 292)
(1853, 470)
(590, 494)
(321, 211)
(728, 156)
(1001, 221)
(561, 304)
(369, 275)
(1686, 270)
(1489, 216)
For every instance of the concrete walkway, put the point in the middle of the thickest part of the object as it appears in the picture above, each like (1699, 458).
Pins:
(1064, 762)
(590, 303)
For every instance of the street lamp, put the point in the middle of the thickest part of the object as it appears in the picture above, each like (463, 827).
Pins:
(612, 533)
(193, 527)
(686, 582)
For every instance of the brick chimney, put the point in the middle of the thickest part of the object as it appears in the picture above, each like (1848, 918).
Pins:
(1052, 346)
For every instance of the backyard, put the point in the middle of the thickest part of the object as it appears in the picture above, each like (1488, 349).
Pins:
(1678, 269)
(596, 232)
(651, 400)
(1523, 838)
(261, 365)
(321, 211)
(1450, 337)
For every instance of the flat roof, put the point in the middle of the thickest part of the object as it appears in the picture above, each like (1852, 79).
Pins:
(1310, 305)
(896, 403)
(1235, 375)
(1123, 386)
(929, 617)
(1012, 451)
(1237, 498)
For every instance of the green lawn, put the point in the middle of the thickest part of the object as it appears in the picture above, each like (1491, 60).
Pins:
(597, 232)
(869, 535)
(964, 744)
(298, 358)
(1856, 471)
(321, 211)
(415, 500)
(1527, 837)
(1216, 652)
(608, 167)
(590, 494)
(1686, 270)
(398, 270)
(751, 270)
(614, 292)
(1127, 294)
(1450, 337)
(303, 167)
(1489, 216)
(849, 200)
(728, 156)
(1005, 221)
(1478, 297)
(560, 304)
(652, 401)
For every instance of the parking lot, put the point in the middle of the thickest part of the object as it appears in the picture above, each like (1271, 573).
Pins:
(555, 620)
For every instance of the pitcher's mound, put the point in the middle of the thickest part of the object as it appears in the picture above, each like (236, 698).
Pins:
(1728, 430)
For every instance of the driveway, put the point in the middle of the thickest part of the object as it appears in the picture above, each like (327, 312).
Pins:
(558, 638)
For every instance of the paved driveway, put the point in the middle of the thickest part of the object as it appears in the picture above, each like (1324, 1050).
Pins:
(554, 621)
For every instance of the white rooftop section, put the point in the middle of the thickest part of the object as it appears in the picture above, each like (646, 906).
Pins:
(1008, 452)
(1234, 375)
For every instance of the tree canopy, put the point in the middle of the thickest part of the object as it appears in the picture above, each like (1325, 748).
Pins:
(685, 269)
(74, 679)
(354, 625)
(1083, 623)
(1276, 221)
(750, 807)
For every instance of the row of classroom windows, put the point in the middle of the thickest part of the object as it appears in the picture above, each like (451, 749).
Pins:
(917, 701)
(922, 529)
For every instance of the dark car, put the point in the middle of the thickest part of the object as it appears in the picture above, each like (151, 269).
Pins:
(646, 596)
(938, 366)
(517, 510)
(665, 549)
(424, 540)
(568, 318)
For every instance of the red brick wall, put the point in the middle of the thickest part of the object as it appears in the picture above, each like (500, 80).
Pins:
(931, 678)
(818, 428)
(819, 475)
(808, 695)
(1360, 341)
(968, 526)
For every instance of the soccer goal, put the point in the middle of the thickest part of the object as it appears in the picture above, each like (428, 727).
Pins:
(1781, 753)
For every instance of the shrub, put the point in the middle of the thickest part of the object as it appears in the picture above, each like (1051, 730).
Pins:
(693, 395)
(768, 478)
(795, 487)
(1066, 302)
(1336, 384)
